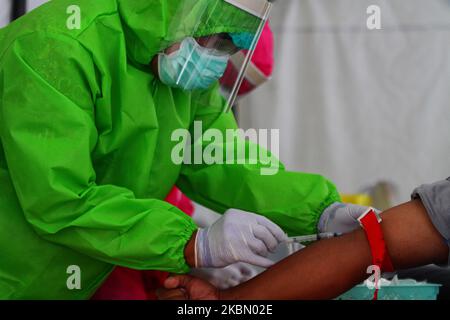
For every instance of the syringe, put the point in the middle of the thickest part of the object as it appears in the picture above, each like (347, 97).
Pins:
(313, 237)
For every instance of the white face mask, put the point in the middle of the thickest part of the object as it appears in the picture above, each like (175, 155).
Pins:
(192, 66)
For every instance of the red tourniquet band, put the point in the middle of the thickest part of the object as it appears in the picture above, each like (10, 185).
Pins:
(370, 222)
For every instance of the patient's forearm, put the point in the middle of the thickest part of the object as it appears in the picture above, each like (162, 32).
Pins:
(321, 271)
(330, 267)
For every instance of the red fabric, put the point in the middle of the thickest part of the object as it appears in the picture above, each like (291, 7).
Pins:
(262, 58)
(374, 234)
(179, 200)
(129, 284)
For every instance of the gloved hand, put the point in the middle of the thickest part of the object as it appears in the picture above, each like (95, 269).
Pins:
(238, 236)
(227, 277)
(341, 218)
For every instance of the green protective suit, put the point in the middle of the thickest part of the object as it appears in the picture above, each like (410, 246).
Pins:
(85, 153)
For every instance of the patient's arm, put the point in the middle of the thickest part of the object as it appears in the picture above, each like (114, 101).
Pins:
(330, 267)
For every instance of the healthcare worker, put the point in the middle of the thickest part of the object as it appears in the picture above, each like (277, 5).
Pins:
(85, 154)
(125, 283)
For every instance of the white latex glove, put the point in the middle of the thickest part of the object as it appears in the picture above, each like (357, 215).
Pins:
(341, 218)
(238, 236)
(204, 217)
(227, 277)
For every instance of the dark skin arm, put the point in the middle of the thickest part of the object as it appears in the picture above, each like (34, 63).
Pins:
(328, 268)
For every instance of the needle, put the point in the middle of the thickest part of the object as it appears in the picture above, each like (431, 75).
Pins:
(313, 237)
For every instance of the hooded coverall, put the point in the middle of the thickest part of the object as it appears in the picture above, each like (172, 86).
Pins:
(85, 149)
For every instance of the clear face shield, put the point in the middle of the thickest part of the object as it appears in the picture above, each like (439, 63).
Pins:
(203, 37)
(261, 10)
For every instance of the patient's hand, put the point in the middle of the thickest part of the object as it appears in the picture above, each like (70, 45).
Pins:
(184, 287)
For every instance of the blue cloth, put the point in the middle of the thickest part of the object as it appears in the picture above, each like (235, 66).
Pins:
(242, 40)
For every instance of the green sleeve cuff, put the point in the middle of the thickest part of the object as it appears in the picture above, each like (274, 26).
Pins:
(332, 198)
(185, 236)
